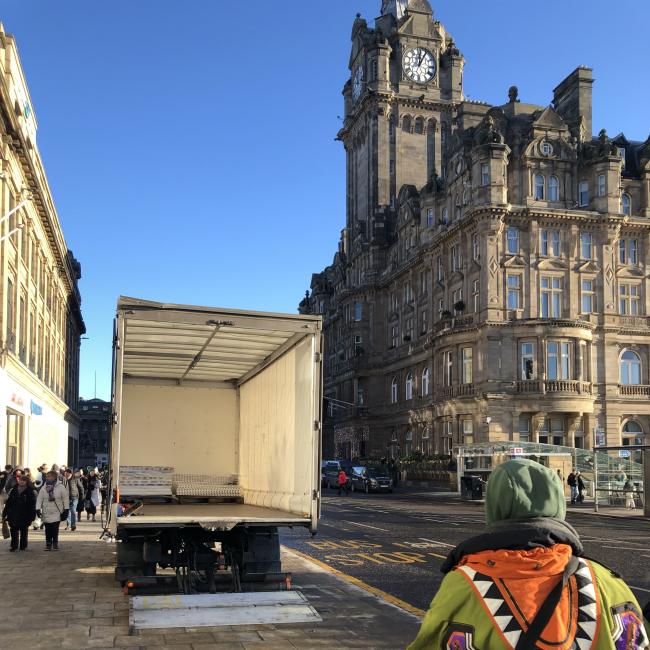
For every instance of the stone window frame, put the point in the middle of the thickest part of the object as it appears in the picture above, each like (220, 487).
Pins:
(476, 294)
(448, 368)
(539, 186)
(589, 294)
(552, 292)
(467, 429)
(394, 391)
(550, 242)
(476, 247)
(628, 251)
(553, 188)
(526, 355)
(425, 385)
(584, 241)
(467, 365)
(409, 384)
(636, 436)
(516, 291)
(626, 204)
(485, 174)
(629, 366)
(564, 373)
(513, 236)
(629, 301)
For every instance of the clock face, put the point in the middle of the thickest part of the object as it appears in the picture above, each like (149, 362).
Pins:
(357, 83)
(419, 65)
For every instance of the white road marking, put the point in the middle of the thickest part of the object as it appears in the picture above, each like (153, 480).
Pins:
(435, 541)
(639, 589)
(355, 523)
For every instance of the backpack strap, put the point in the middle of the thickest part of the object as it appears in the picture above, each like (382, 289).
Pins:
(529, 638)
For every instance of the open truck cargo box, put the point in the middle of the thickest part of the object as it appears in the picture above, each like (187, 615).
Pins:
(218, 393)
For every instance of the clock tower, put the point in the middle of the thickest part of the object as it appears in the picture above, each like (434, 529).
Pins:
(400, 100)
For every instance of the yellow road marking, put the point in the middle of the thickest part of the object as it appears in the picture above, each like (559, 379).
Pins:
(416, 611)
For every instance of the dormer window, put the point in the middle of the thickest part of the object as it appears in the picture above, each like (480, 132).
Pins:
(621, 154)
(547, 148)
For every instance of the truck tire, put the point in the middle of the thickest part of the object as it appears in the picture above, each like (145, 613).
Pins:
(130, 562)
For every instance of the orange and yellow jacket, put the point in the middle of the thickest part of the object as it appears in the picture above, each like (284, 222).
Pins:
(490, 598)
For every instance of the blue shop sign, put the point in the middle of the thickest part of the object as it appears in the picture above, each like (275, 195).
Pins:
(36, 409)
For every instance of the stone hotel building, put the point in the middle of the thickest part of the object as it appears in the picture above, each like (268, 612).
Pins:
(491, 281)
(40, 316)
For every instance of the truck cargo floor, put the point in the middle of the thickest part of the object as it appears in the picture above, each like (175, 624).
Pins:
(219, 515)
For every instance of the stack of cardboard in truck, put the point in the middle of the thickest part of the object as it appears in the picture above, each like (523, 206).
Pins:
(146, 481)
(206, 485)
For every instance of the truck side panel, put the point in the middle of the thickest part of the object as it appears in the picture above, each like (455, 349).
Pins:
(193, 430)
(277, 433)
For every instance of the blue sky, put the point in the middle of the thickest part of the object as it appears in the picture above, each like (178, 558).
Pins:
(190, 145)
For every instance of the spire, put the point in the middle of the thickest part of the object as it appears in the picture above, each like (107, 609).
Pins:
(398, 7)
(395, 7)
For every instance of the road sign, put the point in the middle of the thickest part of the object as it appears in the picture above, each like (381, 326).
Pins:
(623, 453)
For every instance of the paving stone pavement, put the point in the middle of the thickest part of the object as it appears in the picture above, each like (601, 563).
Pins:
(69, 599)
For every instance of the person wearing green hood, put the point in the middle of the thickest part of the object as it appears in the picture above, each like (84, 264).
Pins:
(524, 583)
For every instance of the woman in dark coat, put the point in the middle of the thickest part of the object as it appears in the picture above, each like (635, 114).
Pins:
(20, 511)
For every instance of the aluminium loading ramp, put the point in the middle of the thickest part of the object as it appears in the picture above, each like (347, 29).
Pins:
(216, 610)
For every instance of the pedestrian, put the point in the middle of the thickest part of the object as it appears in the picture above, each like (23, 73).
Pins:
(16, 473)
(83, 482)
(342, 481)
(52, 507)
(92, 495)
(75, 492)
(628, 490)
(581, 487)
(526, 575)
(19, 511)
(573, 484)
(4, 477)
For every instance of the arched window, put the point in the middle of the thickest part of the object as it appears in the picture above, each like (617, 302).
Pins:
(406, 124)
(626, 204)
(419, 125)
(409, 386)
(553, 189)
(393, 391)
(445, 216)
(539, 187)
(630, 368)
(632, 433)
(425, 382)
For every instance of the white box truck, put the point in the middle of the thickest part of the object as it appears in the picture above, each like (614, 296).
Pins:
(215, 443)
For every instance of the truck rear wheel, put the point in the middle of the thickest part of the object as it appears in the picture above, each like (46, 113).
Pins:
(130, 562)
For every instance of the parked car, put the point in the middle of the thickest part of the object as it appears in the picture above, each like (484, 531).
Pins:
(331, 469)
(370, 479)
